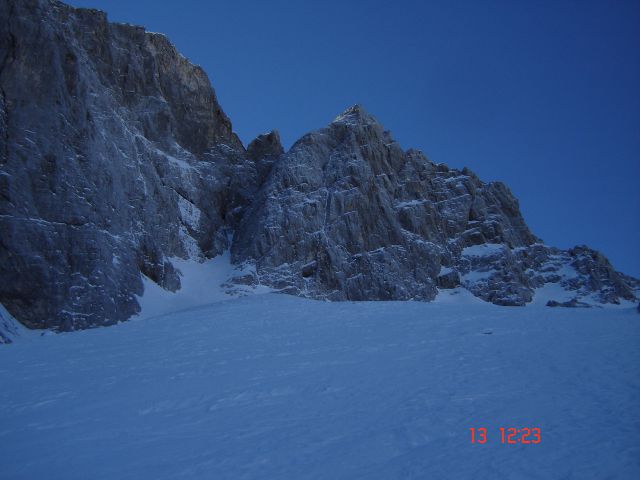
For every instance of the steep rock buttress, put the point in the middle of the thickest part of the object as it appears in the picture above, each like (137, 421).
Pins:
(115, 157)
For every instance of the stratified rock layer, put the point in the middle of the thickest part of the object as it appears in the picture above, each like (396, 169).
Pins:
(115, 156)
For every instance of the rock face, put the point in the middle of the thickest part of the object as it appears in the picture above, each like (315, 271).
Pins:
(115, 156)
(346, 214)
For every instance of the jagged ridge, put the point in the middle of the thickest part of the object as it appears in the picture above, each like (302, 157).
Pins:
(346, 214)
(116, 157)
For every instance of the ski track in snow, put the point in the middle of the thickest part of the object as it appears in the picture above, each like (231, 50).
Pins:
(272, 386)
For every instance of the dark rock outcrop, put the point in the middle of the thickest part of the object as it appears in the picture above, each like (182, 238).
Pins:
(265, 150)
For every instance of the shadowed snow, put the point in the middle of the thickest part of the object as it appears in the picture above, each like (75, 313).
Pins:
(273, 386)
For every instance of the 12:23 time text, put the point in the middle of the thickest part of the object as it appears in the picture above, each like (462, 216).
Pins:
(511, 436)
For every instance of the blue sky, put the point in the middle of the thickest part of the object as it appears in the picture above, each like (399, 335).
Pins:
(542, 95)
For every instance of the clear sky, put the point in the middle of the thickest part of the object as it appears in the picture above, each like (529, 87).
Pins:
(543, 95)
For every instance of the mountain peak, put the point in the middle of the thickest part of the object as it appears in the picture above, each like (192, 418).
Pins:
(355, 115)
(265, 145)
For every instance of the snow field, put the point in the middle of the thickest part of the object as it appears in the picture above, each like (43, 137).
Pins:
(272, 386)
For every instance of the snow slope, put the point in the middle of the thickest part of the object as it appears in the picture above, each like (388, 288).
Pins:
(272, 386)
(201, 283)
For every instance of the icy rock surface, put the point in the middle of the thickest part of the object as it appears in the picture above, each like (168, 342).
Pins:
(115, 157)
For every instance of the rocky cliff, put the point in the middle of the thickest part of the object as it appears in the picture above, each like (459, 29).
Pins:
(346, 214)
(115, 157)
